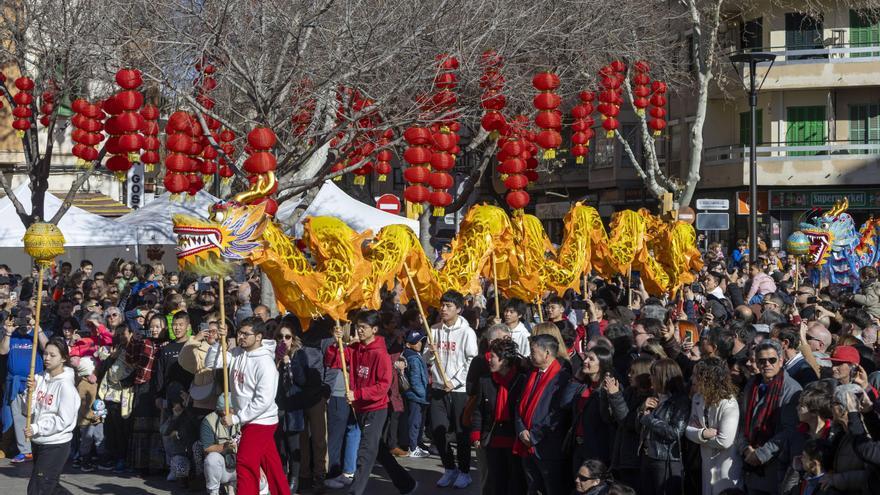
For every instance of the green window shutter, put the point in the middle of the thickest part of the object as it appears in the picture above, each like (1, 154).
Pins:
(864, 31)
(745, 128)
(806, 127)
(864, 124)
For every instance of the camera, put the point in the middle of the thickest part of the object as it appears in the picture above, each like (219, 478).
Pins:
(697, 288)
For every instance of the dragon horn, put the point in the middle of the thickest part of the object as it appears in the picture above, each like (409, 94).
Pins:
(264, 185)
(839, 207)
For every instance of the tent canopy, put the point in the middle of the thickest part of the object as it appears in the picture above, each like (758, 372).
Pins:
(153, 220)
(80, 228)
(331, 201)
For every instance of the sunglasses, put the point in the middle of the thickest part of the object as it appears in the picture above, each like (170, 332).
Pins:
(763, 361)
(287, 337)
(584, 479)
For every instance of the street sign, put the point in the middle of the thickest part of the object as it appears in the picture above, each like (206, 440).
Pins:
(389, 203)
(713, 204)
(713, 221)
(135, 186)
(686, 214)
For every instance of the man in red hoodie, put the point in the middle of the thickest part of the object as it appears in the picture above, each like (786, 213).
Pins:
(370, 372)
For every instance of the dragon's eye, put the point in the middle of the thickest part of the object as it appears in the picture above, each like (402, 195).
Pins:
(218, 216)
(825, 225)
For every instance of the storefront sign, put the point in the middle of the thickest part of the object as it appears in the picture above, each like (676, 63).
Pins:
(806, 199)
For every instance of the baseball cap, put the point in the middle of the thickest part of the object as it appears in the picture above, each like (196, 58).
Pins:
(414, 337)
(845, 354)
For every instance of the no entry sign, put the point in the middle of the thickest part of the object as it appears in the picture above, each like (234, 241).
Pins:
(389, 203)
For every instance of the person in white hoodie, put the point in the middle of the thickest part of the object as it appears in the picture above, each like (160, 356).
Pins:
(253, 383)
(55, 408)
(455, 343)
(513, 314)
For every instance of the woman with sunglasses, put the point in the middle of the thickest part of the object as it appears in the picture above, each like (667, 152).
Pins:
(592, 478)
(292, 366)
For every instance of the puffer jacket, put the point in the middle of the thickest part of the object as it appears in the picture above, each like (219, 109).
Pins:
(663, 428)
(869, 298)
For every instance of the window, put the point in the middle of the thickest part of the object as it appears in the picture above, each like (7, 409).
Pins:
(803, 32)
(745, 127)
(602, 151)
(633, 138)
(864, 125)
(752, 35)
(864, 30)
(806, 127)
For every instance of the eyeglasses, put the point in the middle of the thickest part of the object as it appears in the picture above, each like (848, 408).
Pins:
(245, 334)
(763, 361)
(108, 315)
(810, 337)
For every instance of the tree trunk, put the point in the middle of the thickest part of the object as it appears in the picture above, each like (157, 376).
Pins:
(696, 148)
(267, 294)
(425, 234)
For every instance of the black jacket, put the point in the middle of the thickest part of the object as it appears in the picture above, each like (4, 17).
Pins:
(551, 419)
(482, 417)
(594, 419)
(624, 408)
(663, 428)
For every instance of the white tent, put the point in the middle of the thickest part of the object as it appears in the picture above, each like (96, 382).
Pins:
(153, 220)
(331, 201)
(86, 235)
(80, 228)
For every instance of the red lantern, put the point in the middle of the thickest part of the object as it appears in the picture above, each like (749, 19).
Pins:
(261, 138)
(610, 125)
(416, 194)
(129, 78)
(548, 117)
(517, 200)
(516, 181)
(260, 162)
(416, 175)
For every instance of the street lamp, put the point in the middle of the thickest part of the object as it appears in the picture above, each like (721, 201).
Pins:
(753, 59)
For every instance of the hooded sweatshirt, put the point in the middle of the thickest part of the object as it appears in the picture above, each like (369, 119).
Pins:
(457, 347)
(253, 379)
(520, 334)
(56, 405)
(369, 370)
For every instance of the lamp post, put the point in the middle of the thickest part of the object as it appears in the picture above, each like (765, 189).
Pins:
(753, 59)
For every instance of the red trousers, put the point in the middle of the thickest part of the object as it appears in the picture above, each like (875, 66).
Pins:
(256, 450)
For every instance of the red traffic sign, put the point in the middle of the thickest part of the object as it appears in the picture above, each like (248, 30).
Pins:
(389, 203)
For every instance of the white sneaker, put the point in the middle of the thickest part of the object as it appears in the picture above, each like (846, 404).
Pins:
(463, 480)
(419, 452)
(449, 477)
(341, 481)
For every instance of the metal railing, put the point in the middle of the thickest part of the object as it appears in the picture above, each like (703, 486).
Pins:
(831, 52)
(783, 151)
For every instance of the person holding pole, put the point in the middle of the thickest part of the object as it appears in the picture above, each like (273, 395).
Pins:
(17, 343)
(367, 392)
(55, 410)
(253, 383)
(452, 346)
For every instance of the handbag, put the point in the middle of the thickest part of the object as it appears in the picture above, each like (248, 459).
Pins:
(403, 382)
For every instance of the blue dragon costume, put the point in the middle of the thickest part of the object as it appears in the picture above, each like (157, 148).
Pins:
(837, 249)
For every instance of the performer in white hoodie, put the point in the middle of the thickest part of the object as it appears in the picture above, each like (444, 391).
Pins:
(55, 408)
(514, 312)
(253, 382)
(456, 345)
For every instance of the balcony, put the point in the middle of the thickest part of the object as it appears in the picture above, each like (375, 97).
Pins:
(833, 65)
(783, 164)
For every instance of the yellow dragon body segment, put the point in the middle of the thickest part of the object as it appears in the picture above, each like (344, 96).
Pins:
(346, 270)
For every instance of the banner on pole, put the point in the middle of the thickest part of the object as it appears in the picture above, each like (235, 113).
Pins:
(134, 197)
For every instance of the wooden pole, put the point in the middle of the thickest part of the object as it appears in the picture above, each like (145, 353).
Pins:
(495, 282)
(629, 290)
(30, 390)
(341, 345)
(437, 361)
(223, 345)
(540, 310)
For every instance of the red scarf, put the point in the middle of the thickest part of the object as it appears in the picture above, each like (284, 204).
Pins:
(529, 403)
(502, 411)
(760, 425)
(582, 401)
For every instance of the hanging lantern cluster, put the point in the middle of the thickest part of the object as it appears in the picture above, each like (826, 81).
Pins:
(226, 137)
(384, 156)
(196, 183)
(179, 145)
(302, 117)
(493, 100)
(610, 98)
(205, 84)
(418, 155)
(513, 154)
(582, 128)
(444, 135)
(641, 86)
(362, 146)
(150, 130)
(22, 110)
(125, 122)
(47, 105)
(519, 129)
(87, 126)
(658, 113)
(549, 118)
(261, 163)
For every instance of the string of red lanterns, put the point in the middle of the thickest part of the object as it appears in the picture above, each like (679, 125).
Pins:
(549, 118)
(583, 126)
(22, 110)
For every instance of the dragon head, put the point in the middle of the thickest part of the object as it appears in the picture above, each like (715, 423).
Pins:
(232, 233)
(829, 232)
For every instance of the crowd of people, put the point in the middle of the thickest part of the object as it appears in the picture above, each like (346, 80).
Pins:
(741, 382)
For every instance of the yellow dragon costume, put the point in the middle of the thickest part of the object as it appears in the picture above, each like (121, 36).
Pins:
(347, 269)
